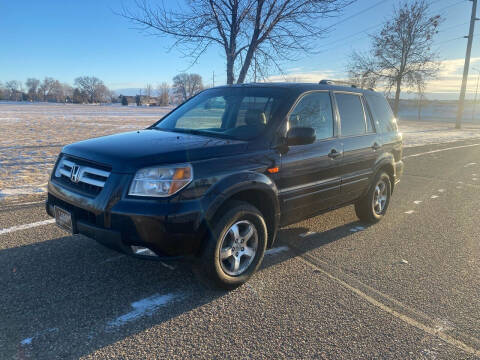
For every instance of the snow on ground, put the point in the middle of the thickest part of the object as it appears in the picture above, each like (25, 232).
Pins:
(32, 135)
(423, 133)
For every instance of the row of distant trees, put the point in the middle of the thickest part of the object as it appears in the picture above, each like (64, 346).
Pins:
(86, 89)
(91, 90)
(184, 87)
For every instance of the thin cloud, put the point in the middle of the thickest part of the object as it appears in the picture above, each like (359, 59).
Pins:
(308, 77)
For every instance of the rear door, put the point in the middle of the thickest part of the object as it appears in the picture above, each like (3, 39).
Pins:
(309, 177)
(360, 144)
(385, 124)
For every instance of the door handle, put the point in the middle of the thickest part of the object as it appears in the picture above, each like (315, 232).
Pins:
(333, 154)
(376, 146)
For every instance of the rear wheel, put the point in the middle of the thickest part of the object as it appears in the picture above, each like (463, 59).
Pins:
(374, 204)
(235, 247)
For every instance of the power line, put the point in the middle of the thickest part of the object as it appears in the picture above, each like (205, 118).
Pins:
(352, 34)
(453, 27)
(356, 14)
(379, 24)
(446, 41)
(451, 5)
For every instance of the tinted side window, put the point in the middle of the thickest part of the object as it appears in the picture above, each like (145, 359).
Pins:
(351, 114)
(256, 106)
(314, 110)
(370, 127)
(382, 113)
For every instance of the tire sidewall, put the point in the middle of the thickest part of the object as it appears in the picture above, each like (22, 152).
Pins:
(381, 176)
(211, 256)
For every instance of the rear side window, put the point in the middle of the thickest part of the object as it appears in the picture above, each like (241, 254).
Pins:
(352, 117)
(314, 110)
(370, 127)
(382, 113)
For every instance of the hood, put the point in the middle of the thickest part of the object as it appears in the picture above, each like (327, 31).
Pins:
(127, 152)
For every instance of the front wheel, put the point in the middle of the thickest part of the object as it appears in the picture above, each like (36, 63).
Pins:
(234, 248)
(374, 204)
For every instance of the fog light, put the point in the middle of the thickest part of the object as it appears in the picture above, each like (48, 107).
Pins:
(140, 250)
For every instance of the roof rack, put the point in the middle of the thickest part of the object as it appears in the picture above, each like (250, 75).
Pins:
(339, 82)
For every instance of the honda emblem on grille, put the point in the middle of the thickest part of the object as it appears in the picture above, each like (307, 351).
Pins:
(75, 174)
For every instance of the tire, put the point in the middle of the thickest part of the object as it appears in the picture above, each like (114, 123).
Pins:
(227, 264)
(371, 208)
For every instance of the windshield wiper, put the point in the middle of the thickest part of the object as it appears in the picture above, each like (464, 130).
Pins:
(198, 132)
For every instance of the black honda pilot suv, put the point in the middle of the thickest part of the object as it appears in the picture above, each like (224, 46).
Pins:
(216, 177)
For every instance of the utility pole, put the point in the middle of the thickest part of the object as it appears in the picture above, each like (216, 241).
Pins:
(213, 78)
(461, 100)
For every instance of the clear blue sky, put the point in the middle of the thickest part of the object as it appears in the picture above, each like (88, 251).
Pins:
(67, 38)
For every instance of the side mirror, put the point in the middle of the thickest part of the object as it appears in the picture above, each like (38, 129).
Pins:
(301, 136)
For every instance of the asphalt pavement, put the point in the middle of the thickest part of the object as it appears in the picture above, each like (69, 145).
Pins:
(408, 287)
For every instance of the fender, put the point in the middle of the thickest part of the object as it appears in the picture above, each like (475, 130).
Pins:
(233, 184)
(385, 160)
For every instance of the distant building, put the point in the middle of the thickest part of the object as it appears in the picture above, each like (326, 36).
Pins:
(148, 101)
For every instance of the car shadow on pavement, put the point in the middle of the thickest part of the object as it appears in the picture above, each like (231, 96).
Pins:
(70, 296)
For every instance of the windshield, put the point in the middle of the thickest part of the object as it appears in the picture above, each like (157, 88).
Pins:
(236, 113)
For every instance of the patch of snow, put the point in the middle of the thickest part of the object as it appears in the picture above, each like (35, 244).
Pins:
(141, 308)
(276, 250)
(26, 341)
(417, 133)
(29, 340)
(309, 233)
(23, 191)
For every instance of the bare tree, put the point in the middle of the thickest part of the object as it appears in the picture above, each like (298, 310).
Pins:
(67, 91)
(93, 87)
(148, 90)
(187, 85)
(163, 93)
(79, 96)
(402, 52)
(32, 88)
(56, 93)
(259, 31)
(46, 87)
(14, 89)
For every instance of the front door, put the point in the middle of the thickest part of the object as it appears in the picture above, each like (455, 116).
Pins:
(309, 177)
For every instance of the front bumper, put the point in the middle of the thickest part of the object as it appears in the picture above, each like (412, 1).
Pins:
(117, 221)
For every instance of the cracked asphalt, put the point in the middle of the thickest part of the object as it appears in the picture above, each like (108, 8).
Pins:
(408, 287)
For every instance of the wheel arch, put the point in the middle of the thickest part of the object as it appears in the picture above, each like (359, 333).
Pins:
(386, 164)
(253, 188)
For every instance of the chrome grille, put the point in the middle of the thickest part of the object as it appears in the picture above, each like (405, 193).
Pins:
(81, 175)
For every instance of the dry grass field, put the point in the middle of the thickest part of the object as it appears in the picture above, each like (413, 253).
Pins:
(32, 135)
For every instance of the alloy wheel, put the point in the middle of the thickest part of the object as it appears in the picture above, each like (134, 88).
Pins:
(238, 248)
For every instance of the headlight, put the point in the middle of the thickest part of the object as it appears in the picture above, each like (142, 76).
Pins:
(161, 181)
